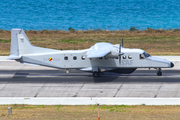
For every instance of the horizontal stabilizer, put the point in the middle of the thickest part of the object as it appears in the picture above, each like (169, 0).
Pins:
(13, 57)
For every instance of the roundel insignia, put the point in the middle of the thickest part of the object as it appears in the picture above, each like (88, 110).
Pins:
(50, 59)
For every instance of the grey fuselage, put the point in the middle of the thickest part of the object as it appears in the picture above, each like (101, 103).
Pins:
(76, 59)
(24, 52)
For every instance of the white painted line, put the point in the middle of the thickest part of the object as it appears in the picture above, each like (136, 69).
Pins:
(3, 58)
(88, 101)
(6, 76)
(74, 75)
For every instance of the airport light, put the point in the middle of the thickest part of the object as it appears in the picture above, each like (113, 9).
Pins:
(98, 111)
(9, 110)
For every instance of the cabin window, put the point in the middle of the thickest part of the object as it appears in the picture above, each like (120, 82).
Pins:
(83, 57)
(129, 57)
(65, 58)
(74, 58)
(141, 56)
(124, 57)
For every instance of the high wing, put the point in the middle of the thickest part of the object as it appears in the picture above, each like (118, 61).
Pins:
(104, 49)
(99, 50)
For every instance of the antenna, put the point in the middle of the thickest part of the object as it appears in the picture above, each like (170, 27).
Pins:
(122, 42)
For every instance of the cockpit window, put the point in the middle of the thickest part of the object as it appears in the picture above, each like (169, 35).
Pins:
(146, 54)
(141, 56)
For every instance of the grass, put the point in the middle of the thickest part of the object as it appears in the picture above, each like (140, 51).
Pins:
(5, 41)
(115, 112)
(155, 42)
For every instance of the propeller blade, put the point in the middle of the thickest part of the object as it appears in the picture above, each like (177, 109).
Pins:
(122, 42)
(119, 54)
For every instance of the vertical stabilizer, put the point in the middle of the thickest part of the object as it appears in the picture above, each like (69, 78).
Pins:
(14, 42)
(24, 45)
(18, 37)
(20, 45)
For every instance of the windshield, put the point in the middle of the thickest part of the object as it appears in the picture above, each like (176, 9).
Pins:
(146, 54)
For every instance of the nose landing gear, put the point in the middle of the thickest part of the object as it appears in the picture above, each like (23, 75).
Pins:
(159, 73)
(96, 74)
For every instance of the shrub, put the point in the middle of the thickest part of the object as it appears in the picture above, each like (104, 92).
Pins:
(149, 29)
(176, 30)
(71, 29)
(133, 29)
(98, 29)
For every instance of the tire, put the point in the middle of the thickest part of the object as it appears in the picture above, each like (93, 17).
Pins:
(159, 73)
(95, 74)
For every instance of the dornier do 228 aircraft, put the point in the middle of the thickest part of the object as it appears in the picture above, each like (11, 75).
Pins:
(97, 59)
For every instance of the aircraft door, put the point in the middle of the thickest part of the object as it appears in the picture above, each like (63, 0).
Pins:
(67, 60)
(143, 61)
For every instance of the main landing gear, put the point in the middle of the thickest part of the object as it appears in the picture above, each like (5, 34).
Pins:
(159, 73)
(96, 74)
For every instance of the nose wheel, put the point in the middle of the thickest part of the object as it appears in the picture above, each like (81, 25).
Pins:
(159, 73)
(96, 74)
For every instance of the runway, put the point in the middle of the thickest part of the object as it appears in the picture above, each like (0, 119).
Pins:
(20, 80)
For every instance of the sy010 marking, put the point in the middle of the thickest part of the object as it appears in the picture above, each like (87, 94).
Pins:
(51, 59)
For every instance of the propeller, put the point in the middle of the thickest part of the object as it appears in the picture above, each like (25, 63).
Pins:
(120, 54)
(122, 42)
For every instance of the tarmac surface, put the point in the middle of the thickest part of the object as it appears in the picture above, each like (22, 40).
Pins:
(21, 80)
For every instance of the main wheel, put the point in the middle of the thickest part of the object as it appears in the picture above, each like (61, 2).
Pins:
(96, 74)
(159, 73)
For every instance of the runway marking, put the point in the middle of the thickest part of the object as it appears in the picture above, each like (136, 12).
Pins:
(73, 75)
(88, 101)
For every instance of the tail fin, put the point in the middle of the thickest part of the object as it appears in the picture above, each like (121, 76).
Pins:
(20, 45)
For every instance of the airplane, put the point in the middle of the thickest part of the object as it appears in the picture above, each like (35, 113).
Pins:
(102, 57)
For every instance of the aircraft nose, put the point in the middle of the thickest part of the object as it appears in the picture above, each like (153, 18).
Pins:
(172, 65)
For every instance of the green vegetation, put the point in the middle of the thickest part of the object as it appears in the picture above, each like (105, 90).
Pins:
(89, 112)
(5, 41)
(133, 29)
(153, 41)
(176, 30)
(73, 41)
(71, 29)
